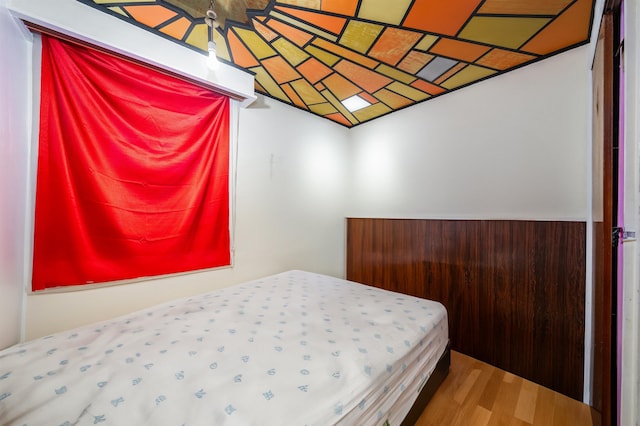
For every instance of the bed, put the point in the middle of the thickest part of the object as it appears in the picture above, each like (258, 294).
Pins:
(296, 348)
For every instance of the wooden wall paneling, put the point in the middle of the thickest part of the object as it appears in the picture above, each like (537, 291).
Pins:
(514, 290)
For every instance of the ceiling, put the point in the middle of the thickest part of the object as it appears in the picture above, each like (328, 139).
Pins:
(388, 55)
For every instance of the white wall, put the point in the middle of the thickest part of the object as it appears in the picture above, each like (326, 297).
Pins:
(512, 147)
(14, 131)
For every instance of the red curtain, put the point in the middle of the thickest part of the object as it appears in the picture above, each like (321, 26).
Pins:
(133, 171)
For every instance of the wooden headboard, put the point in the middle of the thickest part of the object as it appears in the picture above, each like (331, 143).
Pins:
(514, 290)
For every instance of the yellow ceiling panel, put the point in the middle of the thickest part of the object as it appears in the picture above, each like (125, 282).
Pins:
(297, 101)
(307, 92)
(395, 74)
(122, 2)
(312, 53)
(292, 53)
(426, 42)
(371, 112)
(323, 109)
(118, 10)
(269, 84)
(341, 108)
(392, 99)
(379, 11)
(256, 44)
(524, 7)
(199, 37)
(408, 91)
(469, 74)
(345, 53)
(502, 31)
(324, 56)
(309, 4)
(359, 35)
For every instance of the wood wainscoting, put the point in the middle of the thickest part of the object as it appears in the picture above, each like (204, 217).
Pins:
(514, 290)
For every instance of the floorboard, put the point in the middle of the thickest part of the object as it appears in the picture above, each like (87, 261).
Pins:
(478, 394)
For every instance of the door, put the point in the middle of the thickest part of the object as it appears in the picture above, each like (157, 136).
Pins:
(602, 217)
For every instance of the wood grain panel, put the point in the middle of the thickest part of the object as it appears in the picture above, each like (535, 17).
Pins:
(514, 290)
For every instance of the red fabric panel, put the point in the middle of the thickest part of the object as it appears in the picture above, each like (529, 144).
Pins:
(133, 171)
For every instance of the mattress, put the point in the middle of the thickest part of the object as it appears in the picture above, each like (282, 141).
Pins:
(296, 348)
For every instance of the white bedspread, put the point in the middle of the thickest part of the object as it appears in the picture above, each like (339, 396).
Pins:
(292, 349)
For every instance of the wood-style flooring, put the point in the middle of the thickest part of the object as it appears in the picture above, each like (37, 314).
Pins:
(476, 393)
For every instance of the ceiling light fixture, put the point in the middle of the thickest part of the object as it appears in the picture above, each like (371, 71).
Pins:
(354, 103)
(210, 20)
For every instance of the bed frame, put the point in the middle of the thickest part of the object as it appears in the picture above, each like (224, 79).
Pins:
(437, 377)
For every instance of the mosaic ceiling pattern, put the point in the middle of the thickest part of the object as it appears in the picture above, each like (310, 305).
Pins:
(323, 55)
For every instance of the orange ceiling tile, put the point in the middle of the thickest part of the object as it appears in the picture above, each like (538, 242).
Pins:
(415, 61)
(524, 7)
(438, 16)
(177, 29)
(367, 97)
(394, 44)
(338, 118)
(280, 69)
(314, 53)
(341, 7)
(314, 70)
(570, 28)
(297, 36)
(239, 52)
(369, 80)
(265, 32)
(340, 86)
(294, 96)
(450, 73)
(329, 23)
(459, 49)
(500, 59)
(427, 87)
(151, 15)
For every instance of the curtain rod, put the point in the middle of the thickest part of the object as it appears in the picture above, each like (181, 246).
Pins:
(48, 31)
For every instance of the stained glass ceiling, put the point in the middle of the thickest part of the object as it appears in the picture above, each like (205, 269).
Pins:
(380, 56)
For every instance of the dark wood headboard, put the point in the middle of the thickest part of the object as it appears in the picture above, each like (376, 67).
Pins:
(514, 290)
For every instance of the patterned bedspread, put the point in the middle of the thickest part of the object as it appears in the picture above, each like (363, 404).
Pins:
(292, 349)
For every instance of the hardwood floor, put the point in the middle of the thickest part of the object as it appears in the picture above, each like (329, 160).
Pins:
(476, 393)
